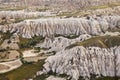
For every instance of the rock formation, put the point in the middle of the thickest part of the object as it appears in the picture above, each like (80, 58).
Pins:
(56, 26)
(54, 78)
(80, 39)
(81, 61)
(58, 43)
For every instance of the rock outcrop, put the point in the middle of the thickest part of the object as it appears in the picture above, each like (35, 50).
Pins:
(75, 26)
(58, 43)
(55, 78)
(81, 61)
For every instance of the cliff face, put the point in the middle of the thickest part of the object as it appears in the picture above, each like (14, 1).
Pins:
(58, 43)
(78, 39)
(81, 61)
(75, 26)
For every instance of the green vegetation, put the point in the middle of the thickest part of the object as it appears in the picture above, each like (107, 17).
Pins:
(67, 14)
(83, 12)
(104, 6)
(108, 78)
(44, 76)
(72, 36)
(93, 77)
(42, 9)
(17, 20)
(11, 8)
(4, 22)
(29, 43)
(4, 36)
(24, 72)
(99, 41)
(37, 49)
(114, 30)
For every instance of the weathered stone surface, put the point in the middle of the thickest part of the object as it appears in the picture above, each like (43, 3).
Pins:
(77, 26)
(58, 43)
(55, 78)
(80, 61)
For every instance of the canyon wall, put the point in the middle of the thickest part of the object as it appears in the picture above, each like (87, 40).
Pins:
(80, 61)
(75, 26)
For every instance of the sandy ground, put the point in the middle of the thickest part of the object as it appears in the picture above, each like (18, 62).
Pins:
(34, 59)
(9, 55)
(29, 53)
(8, 66)
(30, 56)
(55, 78)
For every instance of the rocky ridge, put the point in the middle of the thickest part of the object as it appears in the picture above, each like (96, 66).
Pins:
(80, 61)
(58, 43)
(75, 26)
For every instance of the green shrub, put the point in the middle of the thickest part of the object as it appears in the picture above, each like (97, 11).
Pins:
(28, 43)
(99, 41)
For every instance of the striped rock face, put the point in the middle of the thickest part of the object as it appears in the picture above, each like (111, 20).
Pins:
(56, 26)
(81, 61)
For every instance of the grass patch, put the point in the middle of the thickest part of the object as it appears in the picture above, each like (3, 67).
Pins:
(29, 43)
(11, 8)
(83, 12)
(44, 76)
(42, 9)
(4, 36)
(24, 72)
(108, 78)
(67, 14)
(99, 41)
(99, 7)
(114, 30)
(105, 6)
(72, 36)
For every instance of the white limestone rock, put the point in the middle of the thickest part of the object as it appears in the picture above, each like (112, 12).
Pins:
(112, 33)
(80, 61)
(58, 43)
(54, 78)
(56, 26)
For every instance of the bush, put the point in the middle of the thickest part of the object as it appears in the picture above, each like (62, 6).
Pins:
(28, 43)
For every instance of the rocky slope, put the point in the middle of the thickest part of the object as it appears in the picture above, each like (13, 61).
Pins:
(80, 39)
(58, 43)
(99, 58)
(80, 61)
(75, 26)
